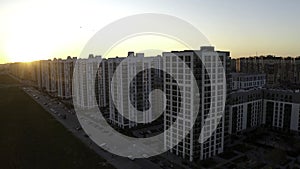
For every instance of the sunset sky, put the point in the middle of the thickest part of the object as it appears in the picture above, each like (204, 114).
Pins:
(36, 29)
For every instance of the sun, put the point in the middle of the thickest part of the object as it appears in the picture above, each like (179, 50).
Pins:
(28, 44)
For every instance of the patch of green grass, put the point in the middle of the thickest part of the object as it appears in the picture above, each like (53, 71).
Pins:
(31, 138)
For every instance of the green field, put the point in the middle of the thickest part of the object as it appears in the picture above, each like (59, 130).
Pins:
(31, 138)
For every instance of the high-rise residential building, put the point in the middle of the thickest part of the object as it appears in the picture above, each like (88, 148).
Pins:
(114, 117)
(45, 71)
(22, 71)
(4, 68)
(65, 70)
(131, 96)
(38, 72)
(53, 77)
(210, 90)
(16, 70)
(34, 75)
(229, 69)
(102, 84)
(85, 70)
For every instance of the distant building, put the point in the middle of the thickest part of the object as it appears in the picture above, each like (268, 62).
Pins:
(53, 77)
(246, 81)
(280, 71)
(297, 70)
(45, 75)
(65, 69)
(233, 65)
(21, 71)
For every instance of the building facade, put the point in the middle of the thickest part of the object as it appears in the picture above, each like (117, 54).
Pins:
(65, 69)
(246, 81)
(279, 71)
(191, 147)
(282, 109)
(262, 107)
(85, 70)
(245, 110)
(132, 95)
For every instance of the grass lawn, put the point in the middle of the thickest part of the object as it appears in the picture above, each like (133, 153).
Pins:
(31, 138)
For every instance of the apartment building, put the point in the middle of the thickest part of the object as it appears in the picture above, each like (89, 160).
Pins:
(247, 80)
(282, 109)
(65, 69)
(245, 110)
(45, 75)
(182, 99)
(257, 107)
(84, 90)
(131, 95)
(114, 117)
(280, 71)
(102, 85)
(53, 77)
(22, 71)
